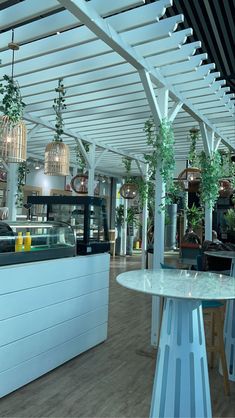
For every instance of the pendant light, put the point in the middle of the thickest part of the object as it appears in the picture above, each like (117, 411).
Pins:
(56, 152)
(129, 189)
(13, 133)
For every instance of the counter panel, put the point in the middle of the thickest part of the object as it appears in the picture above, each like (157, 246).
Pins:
(50, 312)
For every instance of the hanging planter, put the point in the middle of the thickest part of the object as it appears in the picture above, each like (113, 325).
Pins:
(56, 152)
(162, 143)
(210, 174)
(194, 136)
(13, 133)
(129, 189)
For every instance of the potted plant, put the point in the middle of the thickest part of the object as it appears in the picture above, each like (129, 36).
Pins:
(119, 220)
(230, 221)
(194, 218)
(131, 223)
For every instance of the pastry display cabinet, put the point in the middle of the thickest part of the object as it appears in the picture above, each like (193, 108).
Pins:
(86, 214)
(48, 240)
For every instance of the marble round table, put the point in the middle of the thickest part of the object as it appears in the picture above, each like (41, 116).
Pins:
(229, 323)
(181, 384)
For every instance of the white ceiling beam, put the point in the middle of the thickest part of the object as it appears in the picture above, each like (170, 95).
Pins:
(183, 67)
(172, 57)
(101, 156)
(207, 138)
(151, 97)
(71, 134)
(19, 13)
(33, 131)
(103, 30)
(45, 27)
(199, 74)
(174, 111)
(75, 104)
(125, 21)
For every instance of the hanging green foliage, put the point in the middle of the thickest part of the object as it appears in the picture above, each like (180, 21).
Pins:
(192, 156)
(127, 164)
(58, 106)
(12, 104)
(162, 143)
(210, 175)
(21, 179)
(80, 159)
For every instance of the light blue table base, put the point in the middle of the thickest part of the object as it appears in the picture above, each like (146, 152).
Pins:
(181, 384)
(229, 334)
(229, 338)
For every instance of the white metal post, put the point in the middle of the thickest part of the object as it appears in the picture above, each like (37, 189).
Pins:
(208, 223)
(12, 190)
(91, 171)
(145, 224)
(209, 143)
(124, 229)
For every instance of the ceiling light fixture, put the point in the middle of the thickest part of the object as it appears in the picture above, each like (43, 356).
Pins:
(13, 130)
(56, 152)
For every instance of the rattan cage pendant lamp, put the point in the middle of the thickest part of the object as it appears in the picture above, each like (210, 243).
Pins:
(13, 132)
(56, 152)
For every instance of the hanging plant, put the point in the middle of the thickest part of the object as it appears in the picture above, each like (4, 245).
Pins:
(12, 103)
(210, 175)
(58, 106)
(80, 160)
(21, 178)
(56, 152)
(162, 143)
(13, 132)
(129, 189)
(192, 156)
(127, 164)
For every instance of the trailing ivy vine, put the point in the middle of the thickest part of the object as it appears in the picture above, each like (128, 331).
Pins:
(80, 160)
(192, 156)
(58, 106)
(162, 143)
(21, 178)
(12, 103)
(127, 164)
(210, 175)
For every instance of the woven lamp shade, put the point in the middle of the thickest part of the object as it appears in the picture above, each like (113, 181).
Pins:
(56, 159)
(13, 140)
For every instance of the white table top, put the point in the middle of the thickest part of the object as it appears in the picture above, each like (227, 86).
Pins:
(182, 284)
(222, 254)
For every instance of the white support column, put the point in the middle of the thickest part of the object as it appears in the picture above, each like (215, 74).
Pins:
(91, 171)
(145, 224)
(12, 190)
(124, 229)
(209, 143)
(159, 109)
(208, 223)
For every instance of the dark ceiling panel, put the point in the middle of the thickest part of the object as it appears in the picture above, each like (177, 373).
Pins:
(213, 25)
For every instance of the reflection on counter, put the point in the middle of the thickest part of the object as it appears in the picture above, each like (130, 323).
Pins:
(22, 242)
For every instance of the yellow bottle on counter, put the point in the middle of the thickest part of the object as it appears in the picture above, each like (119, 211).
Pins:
(27, 242)
(19, 242)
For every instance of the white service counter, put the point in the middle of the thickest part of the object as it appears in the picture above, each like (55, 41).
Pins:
(50, 311)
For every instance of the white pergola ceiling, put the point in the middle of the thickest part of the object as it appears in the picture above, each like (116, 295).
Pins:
(106, 101)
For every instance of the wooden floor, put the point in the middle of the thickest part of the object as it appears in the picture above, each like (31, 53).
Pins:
(111, 380)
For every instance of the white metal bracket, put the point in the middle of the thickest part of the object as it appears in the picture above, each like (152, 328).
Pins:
(207, 138)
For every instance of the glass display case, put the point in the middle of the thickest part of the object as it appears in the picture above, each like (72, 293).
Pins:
(86, 214)
(27, 241)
